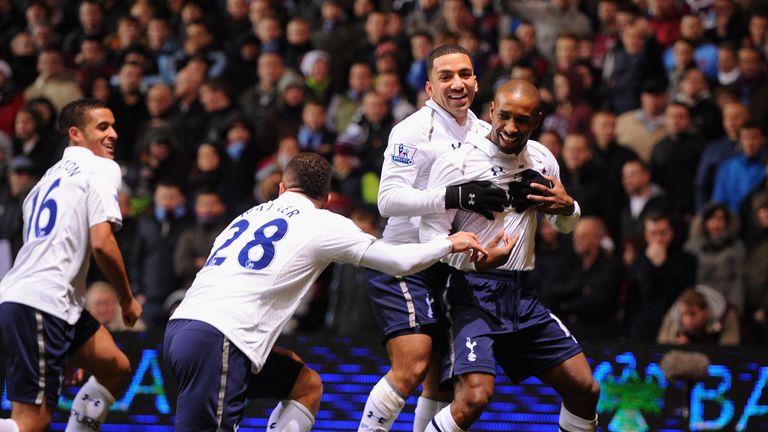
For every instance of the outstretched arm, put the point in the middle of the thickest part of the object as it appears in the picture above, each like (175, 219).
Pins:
(409, 258)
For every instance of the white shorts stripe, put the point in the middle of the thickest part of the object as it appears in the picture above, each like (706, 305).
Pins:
(563, 327)
(40, 358)
(451, 335)
(223, 385)
(408, 303)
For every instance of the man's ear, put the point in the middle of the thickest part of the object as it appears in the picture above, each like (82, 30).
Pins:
(537, 120)
(326, 201)
(281, 189)
(73, 133)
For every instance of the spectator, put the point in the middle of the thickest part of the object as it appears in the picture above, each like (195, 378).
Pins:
(719, 251)
(190, 122)
(421, 45)
(627, 68)
(159, 158)
(370, 128)
(198, 41)
(727, 64)
(694, 93)
(756, 270)
(196, 241)
(31, 142)
(126, 100)
(752, 76)
(211, 171)
(102, 302)
(586, 296)
(21, 180)
(313, 136)
(581, 176)
(316, 68)
(658, 274)
(640, 129)
(343, 106)
(54, 80)
(389, 86)
(243, 152)
(11, 99)
(298, 34)
(218, 107)
(700, 315)
(91, 25)
(674, 160)
(733, 118)
(704, 52)
(157, 235)
(740, 174)
(643, 198)
(572, 114)
(552, 18)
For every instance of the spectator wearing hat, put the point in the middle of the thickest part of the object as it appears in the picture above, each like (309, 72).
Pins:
(316, 68)
(641, 129)
(700, 315)
(11, 100)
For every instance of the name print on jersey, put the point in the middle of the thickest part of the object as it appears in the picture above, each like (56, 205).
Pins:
(68, 166)
(402, 155)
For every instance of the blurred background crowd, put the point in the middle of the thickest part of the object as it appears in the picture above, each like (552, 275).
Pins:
(655, 109)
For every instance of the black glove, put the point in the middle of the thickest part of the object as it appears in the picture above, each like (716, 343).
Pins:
(478, 196)
(519, 190)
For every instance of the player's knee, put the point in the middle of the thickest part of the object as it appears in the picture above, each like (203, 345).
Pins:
(314, 384)
(474, 399)
(585, 393)
(413, 374)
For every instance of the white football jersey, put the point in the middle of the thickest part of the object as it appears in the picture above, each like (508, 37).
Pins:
(477, 160)
(49, 273)
(413, 146)
(263, 264)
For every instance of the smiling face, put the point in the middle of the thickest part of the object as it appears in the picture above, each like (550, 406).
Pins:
(452, 84)
(514, 115)
(98, 135)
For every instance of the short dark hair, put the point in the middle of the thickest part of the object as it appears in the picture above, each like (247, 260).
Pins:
(310, 174)
(445, 50)
(74, 113)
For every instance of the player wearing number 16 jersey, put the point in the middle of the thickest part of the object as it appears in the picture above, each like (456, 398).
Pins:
(220, 341)
(68, 215)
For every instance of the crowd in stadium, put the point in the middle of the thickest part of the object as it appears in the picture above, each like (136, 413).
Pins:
(655, 110)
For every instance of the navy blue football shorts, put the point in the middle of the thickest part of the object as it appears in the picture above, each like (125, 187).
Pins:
(36, 346)
(496, 318)
(408, 304)
(215, 378)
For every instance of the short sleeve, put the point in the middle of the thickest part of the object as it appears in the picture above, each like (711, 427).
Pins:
(342, 241)
(103, 190)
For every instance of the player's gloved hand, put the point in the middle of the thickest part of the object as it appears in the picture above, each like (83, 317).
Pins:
(519, 190)
(478, 196)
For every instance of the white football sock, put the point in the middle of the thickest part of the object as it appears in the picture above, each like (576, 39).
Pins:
(89, 408)
(382, 407)
(443, 422)
(426, 408)
(290, 416)
(8, 425)
(570, 422)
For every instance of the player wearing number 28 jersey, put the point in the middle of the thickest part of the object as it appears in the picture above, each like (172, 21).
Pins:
(219, 341)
